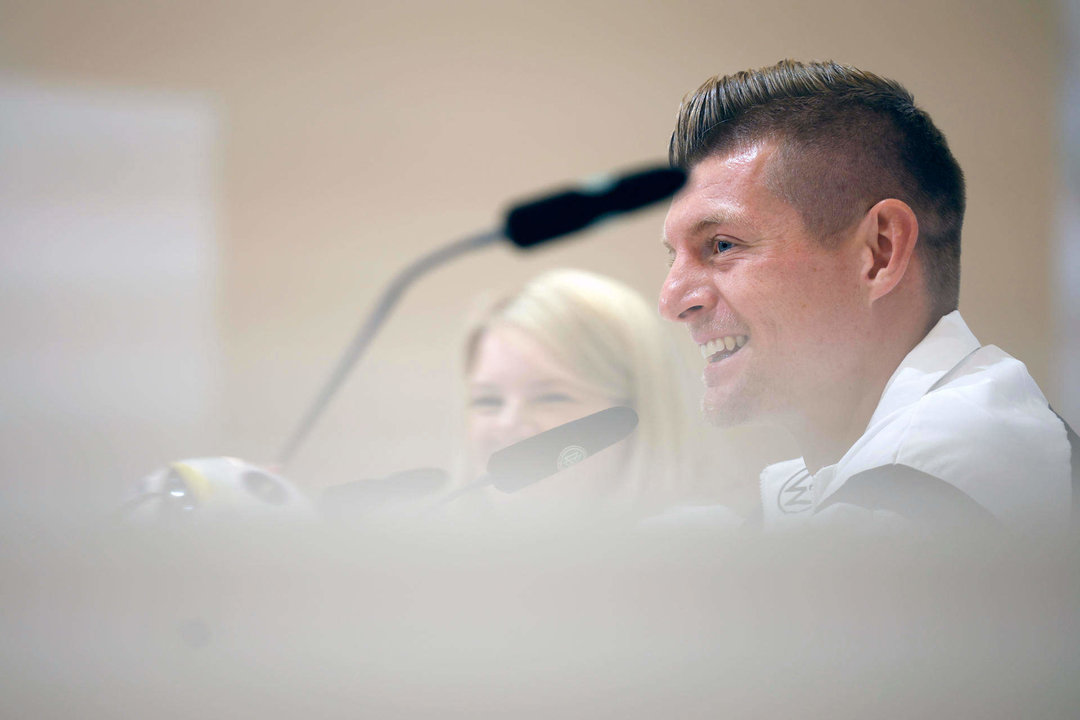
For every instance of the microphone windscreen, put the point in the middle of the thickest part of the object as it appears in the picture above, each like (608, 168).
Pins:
(640, 189)
(535, 221)
(535, 458)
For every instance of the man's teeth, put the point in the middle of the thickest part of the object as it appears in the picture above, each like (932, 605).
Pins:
(728, 342)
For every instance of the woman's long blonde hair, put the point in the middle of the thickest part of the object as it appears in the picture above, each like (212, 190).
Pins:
(609, 336)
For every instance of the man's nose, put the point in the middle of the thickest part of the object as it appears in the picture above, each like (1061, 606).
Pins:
(686, 293)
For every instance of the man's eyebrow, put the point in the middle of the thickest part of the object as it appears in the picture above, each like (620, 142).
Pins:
(717, 218)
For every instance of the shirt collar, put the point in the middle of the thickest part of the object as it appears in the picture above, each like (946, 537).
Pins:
(949, 342)
(943, 348)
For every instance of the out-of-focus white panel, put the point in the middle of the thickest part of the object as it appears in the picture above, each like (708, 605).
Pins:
(108, 281)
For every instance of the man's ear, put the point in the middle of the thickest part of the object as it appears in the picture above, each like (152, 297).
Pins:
(890, 231)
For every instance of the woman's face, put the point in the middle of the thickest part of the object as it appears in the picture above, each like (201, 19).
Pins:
(516, 390)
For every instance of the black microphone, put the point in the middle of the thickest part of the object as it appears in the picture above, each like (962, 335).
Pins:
(554, 215)
(523, 463)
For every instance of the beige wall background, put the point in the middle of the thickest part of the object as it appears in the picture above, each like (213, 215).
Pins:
(355, 136)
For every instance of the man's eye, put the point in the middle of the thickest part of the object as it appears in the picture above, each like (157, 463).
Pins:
(720, 246)
(485, 402)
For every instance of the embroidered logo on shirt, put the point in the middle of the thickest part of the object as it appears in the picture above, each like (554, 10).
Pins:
(794, 495)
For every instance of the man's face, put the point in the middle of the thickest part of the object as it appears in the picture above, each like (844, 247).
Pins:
(780, 318)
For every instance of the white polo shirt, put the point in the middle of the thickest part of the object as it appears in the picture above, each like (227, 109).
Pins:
(966, 414)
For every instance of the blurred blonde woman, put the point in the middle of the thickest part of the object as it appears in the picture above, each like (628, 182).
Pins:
(569, 344)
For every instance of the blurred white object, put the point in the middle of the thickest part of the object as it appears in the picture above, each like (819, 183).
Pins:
(108, 204)
(215, 488)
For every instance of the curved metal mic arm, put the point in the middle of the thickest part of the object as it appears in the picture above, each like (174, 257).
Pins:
(371, 326)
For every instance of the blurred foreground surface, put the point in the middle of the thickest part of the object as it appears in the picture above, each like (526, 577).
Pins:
(439, 620)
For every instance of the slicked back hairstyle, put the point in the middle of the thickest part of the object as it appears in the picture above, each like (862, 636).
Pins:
(845, 139)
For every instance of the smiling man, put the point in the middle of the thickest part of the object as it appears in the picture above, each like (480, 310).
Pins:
(815, 259)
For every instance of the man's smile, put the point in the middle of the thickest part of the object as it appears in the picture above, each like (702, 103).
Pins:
(722, 348)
